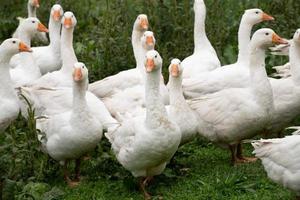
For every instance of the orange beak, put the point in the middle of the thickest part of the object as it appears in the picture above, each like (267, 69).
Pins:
(24, 48)
(68, 22)
(42, 28)
(149, 40)
(56, 15)
(149, 65)
(266, 17)
(36, 3)
(77, 75)
(144, 24)
(174, 70)
(278, 40)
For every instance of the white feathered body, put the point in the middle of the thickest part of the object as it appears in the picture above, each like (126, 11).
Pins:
(47, 59)
(26, 71)
(199, 62)
(281, 160)
(231, 115)
(145, 151)
(69, 135)
(113, 84)
(52, 101)
(9, 111)
(231, 76)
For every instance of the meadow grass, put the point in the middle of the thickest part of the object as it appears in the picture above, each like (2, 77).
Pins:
(199, 170)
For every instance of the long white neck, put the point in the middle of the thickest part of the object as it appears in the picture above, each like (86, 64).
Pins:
(31, 10)
(294, 55)
(142, 60)
(156, 111)
(137, 49)
(79, 97)
(54, 34)
(6, 84)
(24, 36)
(259, 79)
(26, 57)
(244, 35)
(176, 92)
(67, 51)
(200, 39)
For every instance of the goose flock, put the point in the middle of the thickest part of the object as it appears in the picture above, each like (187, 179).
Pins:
(144, 119)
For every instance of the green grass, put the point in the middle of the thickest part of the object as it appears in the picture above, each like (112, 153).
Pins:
(200, 171)
(102, 41)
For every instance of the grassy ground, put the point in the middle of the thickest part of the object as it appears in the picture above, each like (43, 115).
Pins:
(200, 171)
(102, 40)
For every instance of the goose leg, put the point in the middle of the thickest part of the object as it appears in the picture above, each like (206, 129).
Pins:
(234, 158)
(77, 169)
(67, 178)
(241, 157)
(66, 172)
(143, 184)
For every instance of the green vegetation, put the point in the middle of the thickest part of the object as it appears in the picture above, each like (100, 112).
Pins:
(102, 40)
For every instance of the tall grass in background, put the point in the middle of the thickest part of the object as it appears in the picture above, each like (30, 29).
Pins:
(102, 36)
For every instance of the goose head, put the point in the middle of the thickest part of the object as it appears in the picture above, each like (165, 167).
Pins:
(32, 25)
(69, 20)
(296, 37)
(80, 72)
(148, 40)
(34, 3)
(255, 16)
(266, 37)
(175, 68)
(153, 61)
(141, 23)
(14, 46)
(57, 12)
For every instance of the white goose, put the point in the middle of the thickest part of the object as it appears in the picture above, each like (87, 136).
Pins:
(235, 75)
(145, 144)
(51, 101)
(9, 105)
(131, 100)
(128, 78)
(204, 57)
(27, 70)
(282, 71)
(70, 135)
(62, 77)
(48, 58)
(235, 114)
(281, 160)
(287, 91)
(32, 6)
(179, 111)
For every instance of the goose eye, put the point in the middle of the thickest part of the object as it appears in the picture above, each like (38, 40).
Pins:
(33, 22)
(14, 42)
(82, 67)
(155, 56)
(257, 12)
(267, 33)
